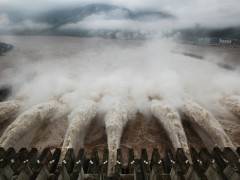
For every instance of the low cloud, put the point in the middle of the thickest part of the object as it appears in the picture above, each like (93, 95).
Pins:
(187, 13)
(116, 20)
(6, 25)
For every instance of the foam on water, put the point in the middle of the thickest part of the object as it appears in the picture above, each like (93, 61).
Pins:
(44, 67)
(29, 121)
(8, 110)
(79, 121)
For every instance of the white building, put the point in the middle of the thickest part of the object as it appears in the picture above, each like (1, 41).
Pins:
(225, 41)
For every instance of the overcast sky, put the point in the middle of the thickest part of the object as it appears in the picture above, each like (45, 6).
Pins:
(216, 13)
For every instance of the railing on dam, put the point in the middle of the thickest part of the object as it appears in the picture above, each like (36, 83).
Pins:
(219, 164)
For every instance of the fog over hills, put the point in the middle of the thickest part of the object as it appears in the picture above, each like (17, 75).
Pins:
(154, 74)
(72, 15)
(79, 20)
(119, 20)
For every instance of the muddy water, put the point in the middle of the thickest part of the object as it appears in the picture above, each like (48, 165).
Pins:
(139, 133)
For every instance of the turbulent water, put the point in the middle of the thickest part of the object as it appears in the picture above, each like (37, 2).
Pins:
(63, 86)
(94, 67)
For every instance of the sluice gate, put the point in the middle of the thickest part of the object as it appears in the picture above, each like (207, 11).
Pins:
(219, 164)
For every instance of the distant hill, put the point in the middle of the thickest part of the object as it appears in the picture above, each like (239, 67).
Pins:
(201, 32)
(63, 16)
(56, 19)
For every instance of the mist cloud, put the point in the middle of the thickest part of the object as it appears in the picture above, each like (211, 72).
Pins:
(6, 25)
(96, 67)
(187, 13)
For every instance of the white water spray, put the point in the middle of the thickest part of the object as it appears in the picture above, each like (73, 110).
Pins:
(206, 125)
(117, 116)
(31, 120)
(79, 121)
(8, 110)
(94, 68)
(171, 122)
(232, 103)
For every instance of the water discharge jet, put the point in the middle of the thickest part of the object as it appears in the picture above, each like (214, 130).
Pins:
(91, 70)
(31, 120)
(232, 103)
(115, 120)
(8, 110)
(169, 118)
(206, 125)
(79, 121)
